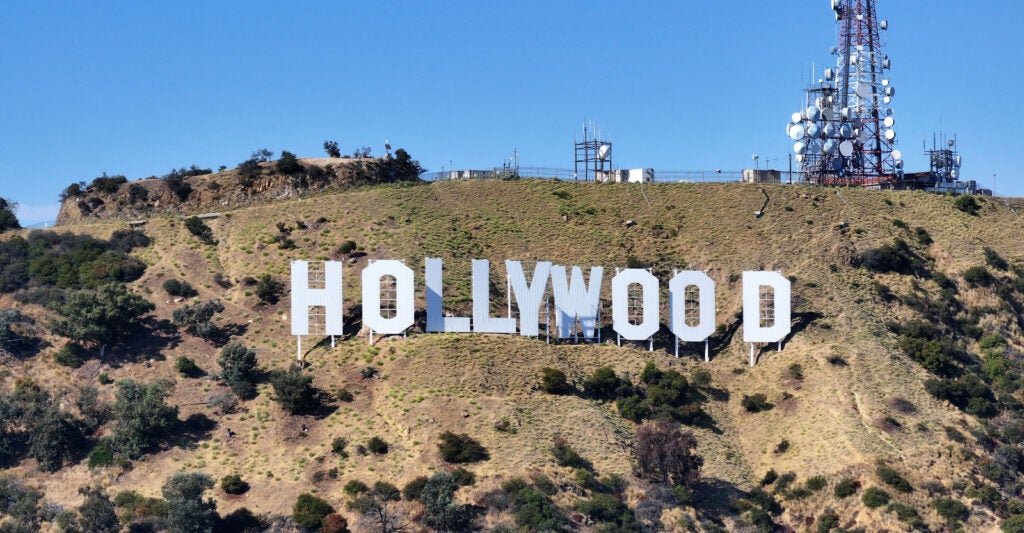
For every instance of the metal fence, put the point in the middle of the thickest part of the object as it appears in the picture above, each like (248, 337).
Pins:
(684, 176)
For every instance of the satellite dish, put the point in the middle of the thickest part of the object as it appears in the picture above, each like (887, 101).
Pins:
(813, 113)
(890, 91)
(813, 131)
(884, 24)
(830, 129)
(889, 122)
(799, 158)
(829, 146)
(800, 148)
(833, 50)
(887, 99)
(837, 164)
(863, 90)
(796, 117)
(755, 157)
(835, 5)
(826, 114)
(885, 83)
(387, 144)
(845, 112)
(796, 133)
(890, 135)
(957, 161)
(954, 173)
(885, 63)
(846, 131)
(829, 74)
(897, 155)
(846, 148)
(604, 151)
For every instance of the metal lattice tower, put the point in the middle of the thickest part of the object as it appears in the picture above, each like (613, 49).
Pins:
(844, 135)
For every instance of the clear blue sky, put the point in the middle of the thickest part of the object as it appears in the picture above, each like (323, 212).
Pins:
(138, 88)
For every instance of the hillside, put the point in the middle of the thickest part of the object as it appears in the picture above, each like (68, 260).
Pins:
(856, 400)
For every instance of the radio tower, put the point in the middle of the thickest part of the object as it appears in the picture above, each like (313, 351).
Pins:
(844, 134)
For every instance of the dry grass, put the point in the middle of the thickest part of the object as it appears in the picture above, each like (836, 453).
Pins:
(465, 383)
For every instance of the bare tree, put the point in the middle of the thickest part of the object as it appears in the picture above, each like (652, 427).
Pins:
(664, 453)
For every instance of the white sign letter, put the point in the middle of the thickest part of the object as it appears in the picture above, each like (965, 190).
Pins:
(528, 297)
(329, 297)
(649, 325)
(706, 305)
(483, 322)
(436, 321)
(405, 304)
(776, 311)
(574, 299)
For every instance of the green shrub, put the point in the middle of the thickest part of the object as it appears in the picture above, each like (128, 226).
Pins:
(893, 479)
(345, 395)
(238, 369)
(795, 371)
(377, 445)
(900, 224)
(769, 477)
(554, 381)
(603, 384)
(875, 497)
(268, 289)
(187, 367)
(347, 247)
(755, 403)
(355, 487)
(197, 318)
(846, 487)
(197, 227)
(952, 510)
(923, 237)
(1013, 524)
(175, 287)
(338, 446)
(967, 204)
(310, 511)
(288, 164)
(461, 448)
(463, 477)
(293, 389)
(233, 484)
(978, 276)
(815, 483)
(828, 522)
(71, 355)
(413, 489)
(101, 454)
(566, 456)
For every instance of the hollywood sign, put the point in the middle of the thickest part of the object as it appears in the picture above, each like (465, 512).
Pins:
(577, 302)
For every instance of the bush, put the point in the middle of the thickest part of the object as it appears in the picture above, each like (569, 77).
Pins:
(815, 483)
(893, 479)
(413, 489)
(377, 445)
(197, 318)
(795, 371)
(441, 511)
(288, 164)
(1013, 524)
(566, 456)
(602, 384)
(755, 403)
(310, 511)
(175, 287)
(461, 448)
(71, 355)
(554, 381)
(293, 389)
(355, 487)
(197, 227)
(108, 184)
(347, 247)
(268, 289)
(334, 523)
(338, 446)
(875, 497)
(952, 510)
(233, 484)
(102, 316)
(101, 454)
(846, 487)
(331, 147)
(769, 477)
(978, 276)
(463, 477)
(187, 367)
(187, 511)
(888, 258)
(141, 415)
(923, 237)
(238, 369)
(967, 204)
(534, 511)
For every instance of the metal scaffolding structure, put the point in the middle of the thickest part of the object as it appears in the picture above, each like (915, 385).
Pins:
(844, 134)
